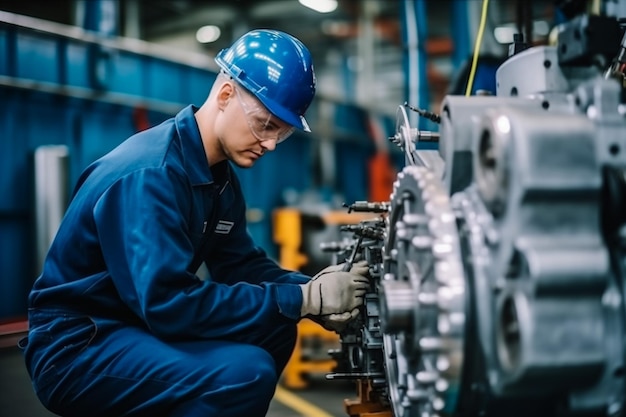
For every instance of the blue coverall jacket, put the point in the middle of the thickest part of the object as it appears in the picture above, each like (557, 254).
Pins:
(119, 322)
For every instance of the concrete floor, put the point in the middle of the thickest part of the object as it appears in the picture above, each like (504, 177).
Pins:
(18, 400)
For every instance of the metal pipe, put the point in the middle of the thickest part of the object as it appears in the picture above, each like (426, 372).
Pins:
(51, 194)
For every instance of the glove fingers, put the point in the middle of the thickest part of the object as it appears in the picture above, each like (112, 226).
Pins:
(328, 270)
(360, 268)
(340, 317)
(335, 293)
(360, 286)
(338, 321)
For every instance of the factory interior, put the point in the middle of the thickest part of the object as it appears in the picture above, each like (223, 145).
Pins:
(471, 153)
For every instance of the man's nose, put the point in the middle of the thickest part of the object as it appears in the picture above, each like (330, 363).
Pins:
(269, 144)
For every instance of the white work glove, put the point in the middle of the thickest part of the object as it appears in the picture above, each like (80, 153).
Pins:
(359, 268)
(337, 322)
(333, 291)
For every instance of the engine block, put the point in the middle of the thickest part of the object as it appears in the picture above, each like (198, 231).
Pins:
(498, 279)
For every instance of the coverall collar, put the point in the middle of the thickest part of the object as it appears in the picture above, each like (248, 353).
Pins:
(195, 160)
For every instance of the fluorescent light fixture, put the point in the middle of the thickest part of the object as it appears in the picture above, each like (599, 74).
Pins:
(321, 6)
(208, 34)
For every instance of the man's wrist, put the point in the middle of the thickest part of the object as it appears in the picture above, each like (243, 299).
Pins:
(289, 299)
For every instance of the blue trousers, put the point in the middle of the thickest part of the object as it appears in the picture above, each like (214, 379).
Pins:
(82, 366)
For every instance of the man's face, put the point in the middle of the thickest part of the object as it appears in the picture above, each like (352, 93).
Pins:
(249, 129)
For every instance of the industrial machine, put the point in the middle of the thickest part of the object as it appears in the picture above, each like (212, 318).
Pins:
(498, 272)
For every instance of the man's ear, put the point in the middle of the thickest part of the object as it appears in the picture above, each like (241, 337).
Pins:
(224, 94)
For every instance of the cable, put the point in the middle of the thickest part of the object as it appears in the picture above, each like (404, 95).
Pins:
(479, 39)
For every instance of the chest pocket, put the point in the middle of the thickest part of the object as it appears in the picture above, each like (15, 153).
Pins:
(212, 219)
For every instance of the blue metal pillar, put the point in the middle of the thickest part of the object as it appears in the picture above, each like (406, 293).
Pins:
(100, 16)
(461, 36)
(414, 34)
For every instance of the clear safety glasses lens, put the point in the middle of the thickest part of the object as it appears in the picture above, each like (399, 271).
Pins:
(262, 125)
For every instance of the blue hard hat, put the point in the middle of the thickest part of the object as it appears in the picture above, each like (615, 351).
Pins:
(277, 68)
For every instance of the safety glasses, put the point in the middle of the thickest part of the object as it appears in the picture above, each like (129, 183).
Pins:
(262, 124)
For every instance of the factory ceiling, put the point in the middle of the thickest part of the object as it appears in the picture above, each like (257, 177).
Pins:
(337, 39)
(175, 22)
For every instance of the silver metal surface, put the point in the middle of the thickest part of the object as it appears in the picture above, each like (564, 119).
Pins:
(51, 194)
(537, 70)
(422, 296)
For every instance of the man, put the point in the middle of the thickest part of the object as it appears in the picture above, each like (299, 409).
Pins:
(120, 325)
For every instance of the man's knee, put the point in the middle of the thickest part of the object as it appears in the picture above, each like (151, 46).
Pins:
(242, 385)
(247, 366)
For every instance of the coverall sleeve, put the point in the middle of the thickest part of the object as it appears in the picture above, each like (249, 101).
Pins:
(238, 259)
(141, 225)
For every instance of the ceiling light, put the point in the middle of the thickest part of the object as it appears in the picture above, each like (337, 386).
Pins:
(504, 34)
(321, 6)
(208, 34)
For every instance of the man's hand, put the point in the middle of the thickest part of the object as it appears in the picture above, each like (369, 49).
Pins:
(337, 322)
(334, 291)
(360, 268)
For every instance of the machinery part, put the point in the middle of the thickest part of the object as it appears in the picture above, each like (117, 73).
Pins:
(360, 357)
(350, 261)
(403, 136)
(422, 296)
(534, 273)
(424, 113)
(618, 66)
(460, 128)
(540, 268)
(528, 261)
(600, 101)
(277, 68)
(589, 40)
(518, 44)
(408, 139)
(366, 206)
(536, 70)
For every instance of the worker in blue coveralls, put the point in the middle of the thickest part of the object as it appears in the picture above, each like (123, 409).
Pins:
(120, 324)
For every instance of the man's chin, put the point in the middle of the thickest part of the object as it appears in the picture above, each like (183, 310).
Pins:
(243, 162)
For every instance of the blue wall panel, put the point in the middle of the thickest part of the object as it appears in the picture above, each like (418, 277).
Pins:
(352, 169)
(350, 120)
(17, 260)
(77, 64)
(32, 119)
(38, 58)
(8, 146)
(197, 84)
(165, 81)
(102, 129)
(125, 72)
(4, 53)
